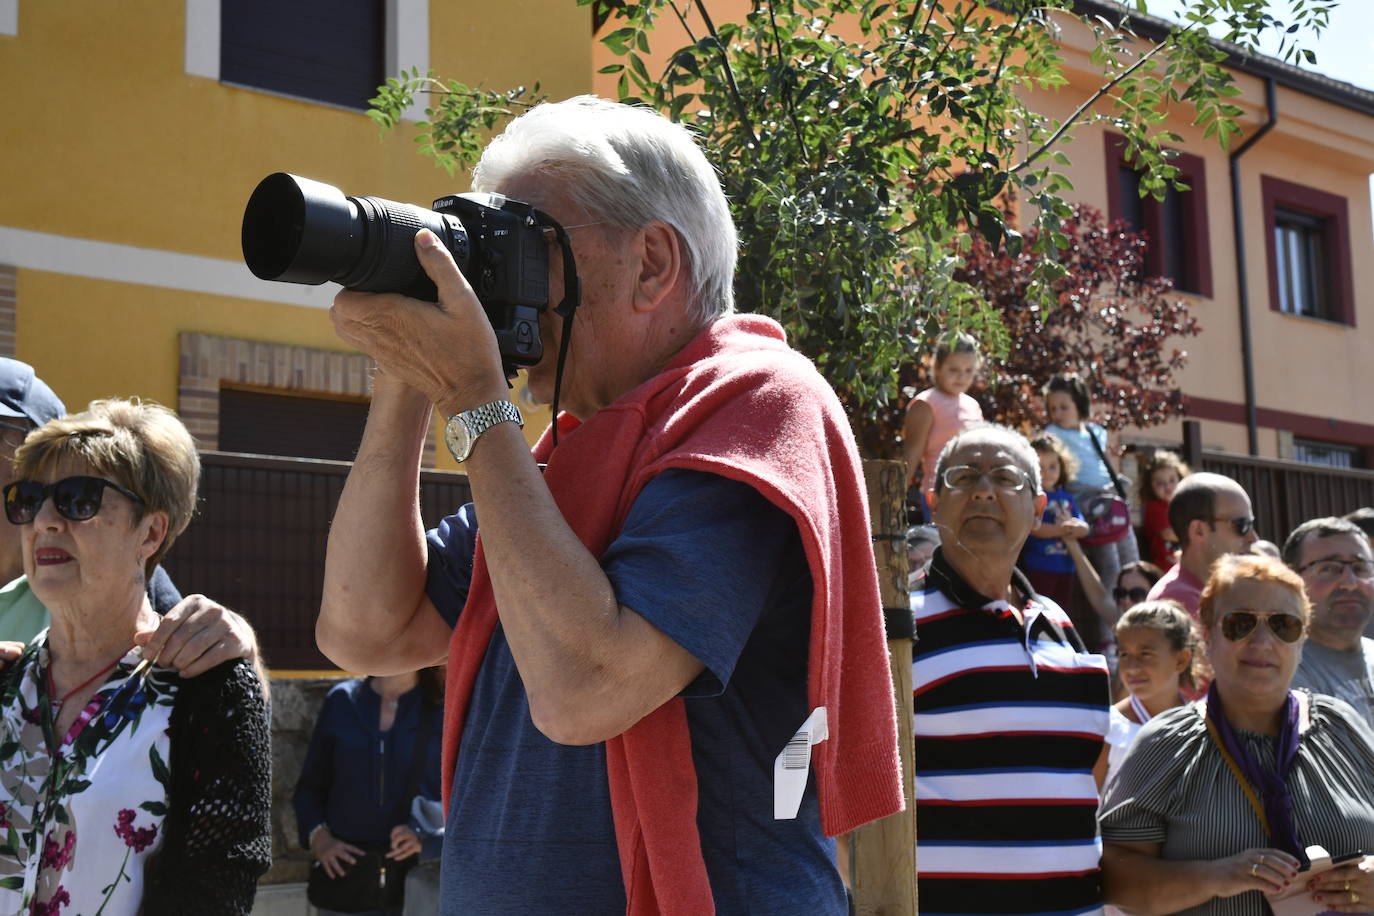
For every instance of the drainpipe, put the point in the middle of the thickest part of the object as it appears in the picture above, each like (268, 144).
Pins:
(1247, 356)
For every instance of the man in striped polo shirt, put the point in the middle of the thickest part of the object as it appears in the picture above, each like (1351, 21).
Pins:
(1010, 709)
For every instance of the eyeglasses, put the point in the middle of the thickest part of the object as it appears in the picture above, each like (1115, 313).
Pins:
(966, 477)
(1241, 526)
(1237, 625)
(1136, 594)
(1334, 569)
(75, 498)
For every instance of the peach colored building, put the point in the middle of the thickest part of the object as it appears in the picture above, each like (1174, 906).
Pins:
(1284, 256)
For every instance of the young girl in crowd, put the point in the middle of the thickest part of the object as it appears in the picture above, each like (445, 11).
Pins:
(1156, 642)
(1158, 481)
(1068, 406)
(1045, 558)
(936, 414)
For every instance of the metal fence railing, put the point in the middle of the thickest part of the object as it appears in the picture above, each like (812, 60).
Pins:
(1284, 494)
(257, 543)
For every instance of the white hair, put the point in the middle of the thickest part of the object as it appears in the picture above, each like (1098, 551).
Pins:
(993, 434)
(630, 167)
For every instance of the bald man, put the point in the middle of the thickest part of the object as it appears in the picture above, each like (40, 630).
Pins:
(1211, 514)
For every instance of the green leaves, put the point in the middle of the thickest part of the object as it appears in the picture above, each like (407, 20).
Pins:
(459, 119)
(867, 146)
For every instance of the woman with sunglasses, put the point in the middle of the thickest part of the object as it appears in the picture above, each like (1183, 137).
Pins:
(1217, 801)
(127, 789)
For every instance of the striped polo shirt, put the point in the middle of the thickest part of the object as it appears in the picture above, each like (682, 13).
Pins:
(1008, 722)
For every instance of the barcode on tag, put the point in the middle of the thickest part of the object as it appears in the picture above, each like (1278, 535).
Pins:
(792, 766)
(797, 754)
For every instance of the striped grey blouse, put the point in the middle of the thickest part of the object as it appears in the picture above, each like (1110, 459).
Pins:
(1174, 788)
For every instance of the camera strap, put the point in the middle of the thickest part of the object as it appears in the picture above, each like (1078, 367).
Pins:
(567, 309)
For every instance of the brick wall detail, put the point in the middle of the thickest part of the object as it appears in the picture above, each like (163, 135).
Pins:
(208, 361)
(9, 309)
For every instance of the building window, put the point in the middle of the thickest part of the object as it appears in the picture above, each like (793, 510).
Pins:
(260, 384)
(1300, 260)
(326, 50)
(290, 425)
(1329, 454)
(1178, 245)
(1309, 251)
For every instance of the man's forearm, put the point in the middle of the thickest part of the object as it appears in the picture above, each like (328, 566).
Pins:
(374, 573)
(590, 668)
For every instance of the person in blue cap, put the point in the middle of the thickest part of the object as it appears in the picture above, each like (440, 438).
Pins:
(196, 633)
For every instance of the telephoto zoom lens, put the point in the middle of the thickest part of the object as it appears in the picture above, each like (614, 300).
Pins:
(301, 231)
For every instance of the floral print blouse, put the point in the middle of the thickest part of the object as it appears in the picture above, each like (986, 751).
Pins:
(80, 815)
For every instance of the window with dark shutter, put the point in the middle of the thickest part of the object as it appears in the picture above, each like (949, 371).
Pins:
(291, 425)
(1309, 251)
(1175, 228)
(325, 50)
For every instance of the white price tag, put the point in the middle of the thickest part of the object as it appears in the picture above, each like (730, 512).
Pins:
(792, 765)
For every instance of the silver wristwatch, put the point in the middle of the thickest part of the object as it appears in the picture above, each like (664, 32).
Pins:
(462, 429)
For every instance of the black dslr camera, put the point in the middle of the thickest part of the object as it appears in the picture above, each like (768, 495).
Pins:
(301, 231)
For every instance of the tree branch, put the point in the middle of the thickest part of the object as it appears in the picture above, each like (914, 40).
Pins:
(787, 90)
(997, 74)
(729, 74)
(683, 19)
(1091, 101)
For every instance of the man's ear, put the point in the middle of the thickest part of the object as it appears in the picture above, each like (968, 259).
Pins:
(1198, 530)
(1040, 502)
(661, 265)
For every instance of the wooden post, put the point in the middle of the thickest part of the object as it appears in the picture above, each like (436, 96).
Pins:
(883, 858)
(1192, 444)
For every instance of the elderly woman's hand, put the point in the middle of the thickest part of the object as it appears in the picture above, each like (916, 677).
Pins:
(1267, 870)
(1346, 889)
(198, 634)
(333, 853)
(404, 843)
(9, 651)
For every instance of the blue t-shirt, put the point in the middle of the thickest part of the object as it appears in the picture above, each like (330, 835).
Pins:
(1092, 471)
(1050, 554)
(720, 570)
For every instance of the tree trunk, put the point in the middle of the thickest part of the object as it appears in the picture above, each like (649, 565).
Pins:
(883, 853)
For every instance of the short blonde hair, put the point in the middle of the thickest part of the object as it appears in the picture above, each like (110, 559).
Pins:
(140, 445)
(1232, 568)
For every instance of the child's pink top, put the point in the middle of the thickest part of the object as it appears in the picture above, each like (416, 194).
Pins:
(953, 413)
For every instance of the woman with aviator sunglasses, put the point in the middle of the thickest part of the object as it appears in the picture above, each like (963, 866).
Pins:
(1216, 801)
(127, 789)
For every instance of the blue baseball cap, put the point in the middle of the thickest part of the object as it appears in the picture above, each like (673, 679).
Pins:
(23, 394)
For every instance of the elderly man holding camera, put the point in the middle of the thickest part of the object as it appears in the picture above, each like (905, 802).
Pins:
(1010, 710)
(645, 640)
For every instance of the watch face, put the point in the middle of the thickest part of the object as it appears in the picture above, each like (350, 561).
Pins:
(458, 438)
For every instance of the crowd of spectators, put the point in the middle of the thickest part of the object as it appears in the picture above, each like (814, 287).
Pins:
(1189, 733)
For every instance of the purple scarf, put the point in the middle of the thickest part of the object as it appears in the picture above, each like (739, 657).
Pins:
(1272, 787)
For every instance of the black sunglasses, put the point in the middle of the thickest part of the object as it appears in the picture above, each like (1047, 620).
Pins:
(1136, 594)
(1241, 526)
(74, 498)
(1237, 625)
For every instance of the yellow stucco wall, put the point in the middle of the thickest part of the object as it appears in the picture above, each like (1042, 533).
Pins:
(109, 139)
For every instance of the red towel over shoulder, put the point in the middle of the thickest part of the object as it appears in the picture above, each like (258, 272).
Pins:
(738, 402)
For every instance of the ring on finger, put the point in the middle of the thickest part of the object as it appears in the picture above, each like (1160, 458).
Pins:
(1254, 869)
